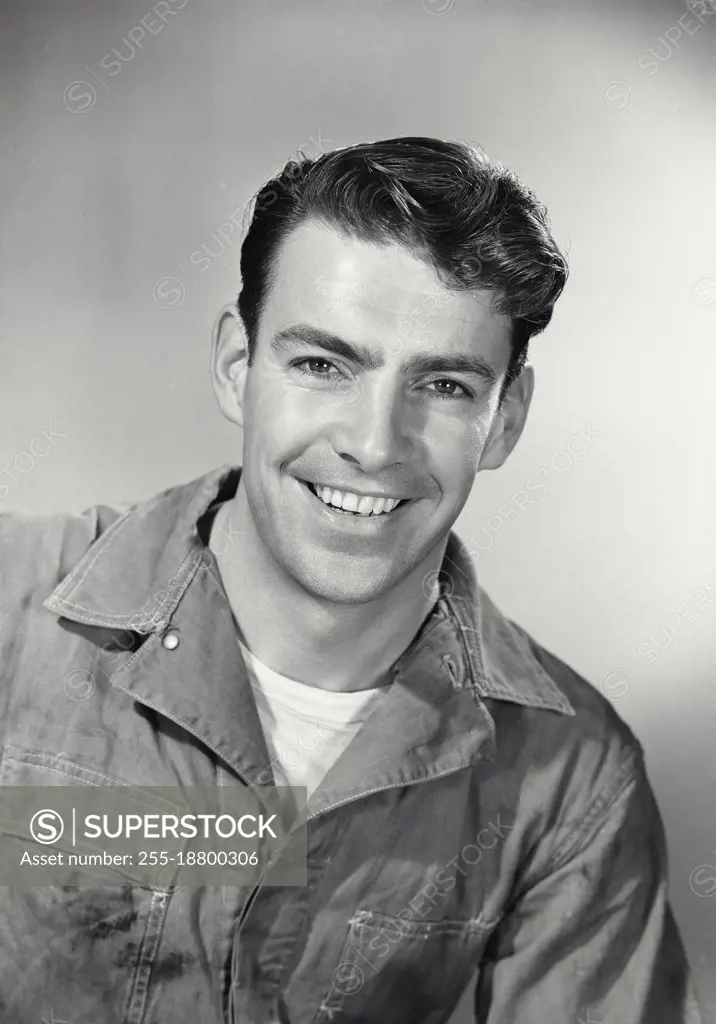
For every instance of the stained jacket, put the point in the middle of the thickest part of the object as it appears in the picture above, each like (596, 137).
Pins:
(494, 822)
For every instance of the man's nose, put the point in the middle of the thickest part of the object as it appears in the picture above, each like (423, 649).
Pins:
(374, 426)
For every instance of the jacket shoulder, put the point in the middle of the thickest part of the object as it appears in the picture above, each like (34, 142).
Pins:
(589, 755)
(595, 715)
(529, 674)
(37, 550)
(571, 771)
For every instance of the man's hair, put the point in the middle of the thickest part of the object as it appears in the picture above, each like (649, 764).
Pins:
(467, 216)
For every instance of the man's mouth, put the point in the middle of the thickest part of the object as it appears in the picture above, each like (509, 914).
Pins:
(351, 504)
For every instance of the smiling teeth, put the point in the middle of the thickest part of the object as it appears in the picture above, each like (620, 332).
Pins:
(362, 504)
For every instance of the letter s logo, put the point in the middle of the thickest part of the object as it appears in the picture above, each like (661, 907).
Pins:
(79, 97)
(46, 826)
(703, 880)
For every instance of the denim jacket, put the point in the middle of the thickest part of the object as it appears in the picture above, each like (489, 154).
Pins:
(493, 822)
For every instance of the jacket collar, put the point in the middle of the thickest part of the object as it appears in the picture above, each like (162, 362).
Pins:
(162, 540)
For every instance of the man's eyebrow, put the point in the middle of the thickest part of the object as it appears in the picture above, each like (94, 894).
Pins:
(303, 335)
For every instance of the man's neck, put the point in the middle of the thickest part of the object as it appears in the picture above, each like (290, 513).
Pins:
(323, 644)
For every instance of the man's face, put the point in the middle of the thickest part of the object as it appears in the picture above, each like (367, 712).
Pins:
(370, 379)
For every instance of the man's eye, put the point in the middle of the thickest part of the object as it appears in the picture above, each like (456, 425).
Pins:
(446, 388)
(314, 366)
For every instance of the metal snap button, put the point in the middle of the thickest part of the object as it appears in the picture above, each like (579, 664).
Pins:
(170, 640)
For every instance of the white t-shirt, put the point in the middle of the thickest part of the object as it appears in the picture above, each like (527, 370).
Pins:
(306, 727)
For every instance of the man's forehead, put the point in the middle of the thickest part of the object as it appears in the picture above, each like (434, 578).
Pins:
(393, 296)
(318, 263)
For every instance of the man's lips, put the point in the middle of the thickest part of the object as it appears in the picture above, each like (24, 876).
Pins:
(362, 492)
(353, 514)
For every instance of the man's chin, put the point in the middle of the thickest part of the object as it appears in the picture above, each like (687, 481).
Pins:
(343, 578)
(346, 592)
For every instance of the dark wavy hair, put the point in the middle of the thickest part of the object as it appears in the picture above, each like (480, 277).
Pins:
(466, 215)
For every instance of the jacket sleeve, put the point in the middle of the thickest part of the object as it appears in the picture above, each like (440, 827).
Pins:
(594, 940)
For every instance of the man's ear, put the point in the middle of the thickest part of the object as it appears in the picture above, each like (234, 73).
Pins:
(509, 421)
(229, 363)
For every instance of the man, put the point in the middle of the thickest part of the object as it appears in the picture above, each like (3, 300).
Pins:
(475, 807)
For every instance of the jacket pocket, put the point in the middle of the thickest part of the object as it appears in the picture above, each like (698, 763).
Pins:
(81, 952)
(22, 767)
(395, 968)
